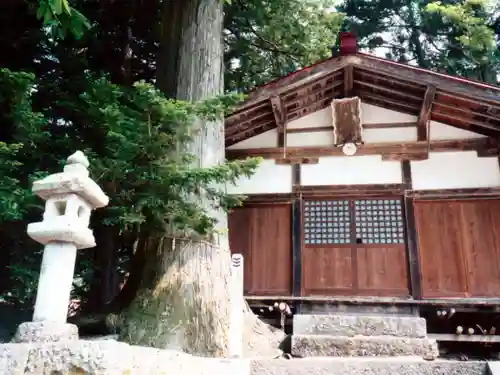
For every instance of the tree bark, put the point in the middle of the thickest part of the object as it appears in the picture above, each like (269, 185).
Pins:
(183, 302)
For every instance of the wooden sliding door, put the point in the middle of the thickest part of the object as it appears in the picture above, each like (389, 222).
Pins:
(459, 247)
(354, 247)
(263, 234)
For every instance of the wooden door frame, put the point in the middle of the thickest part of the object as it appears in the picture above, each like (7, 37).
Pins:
(350, 193)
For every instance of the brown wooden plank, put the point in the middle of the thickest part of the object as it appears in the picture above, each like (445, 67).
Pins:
(326, 271)
(425, 114)
(441, 256)
(263, 235)
(479, 230)
(270, 198)
(382, 269)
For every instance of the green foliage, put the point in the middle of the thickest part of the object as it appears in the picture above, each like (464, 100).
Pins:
(469, 31)
(136, 141)
(454, 36)
(266, 39)
(61, 19)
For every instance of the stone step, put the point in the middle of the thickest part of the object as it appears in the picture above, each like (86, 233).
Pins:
(362, 346)
(366, 366)
(353, 325)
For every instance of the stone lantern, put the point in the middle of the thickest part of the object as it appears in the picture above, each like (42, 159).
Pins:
(69, 197)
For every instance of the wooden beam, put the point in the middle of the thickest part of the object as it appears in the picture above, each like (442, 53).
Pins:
(411, 235)
(406, 156)
(296, 175)
(367, 149)
(389, 125)
(348, 81)
(382, 125)
(296, 161)
(266, 199)
(310, 130)
(491, 192)
(349, 190)
(425, 114)
(280, 118)
(297, 247)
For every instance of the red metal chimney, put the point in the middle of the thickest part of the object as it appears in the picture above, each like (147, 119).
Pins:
(348, 43)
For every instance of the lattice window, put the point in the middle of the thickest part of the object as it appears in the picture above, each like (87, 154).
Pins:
(379, 221)
(327, 222)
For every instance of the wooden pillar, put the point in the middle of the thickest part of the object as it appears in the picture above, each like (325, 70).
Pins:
(411, 235)
(296, 235)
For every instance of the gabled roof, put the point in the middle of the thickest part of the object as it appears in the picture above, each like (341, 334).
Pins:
(458, 102)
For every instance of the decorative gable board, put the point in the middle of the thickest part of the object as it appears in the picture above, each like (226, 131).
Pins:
(346, 121)
(455, 170)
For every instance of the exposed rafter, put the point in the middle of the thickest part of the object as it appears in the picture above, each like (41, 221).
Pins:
(425, 113)
(348, 81)
(280, 118)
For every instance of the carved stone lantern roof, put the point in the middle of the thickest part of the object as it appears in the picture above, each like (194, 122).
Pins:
(73, 180)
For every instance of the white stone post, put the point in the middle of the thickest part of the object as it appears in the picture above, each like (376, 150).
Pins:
(70, 197)
(237, 322)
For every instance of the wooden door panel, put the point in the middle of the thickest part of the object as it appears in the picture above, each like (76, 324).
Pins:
(327, 271)
(263, 235)
(440, 247)
(240, 241)
(479, 232)
(382, 270)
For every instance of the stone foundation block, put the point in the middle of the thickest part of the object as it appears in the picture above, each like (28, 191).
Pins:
(362, 346)
(366, 366)
(353, 325)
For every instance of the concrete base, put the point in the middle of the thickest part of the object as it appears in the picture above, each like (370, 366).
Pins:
(365, 325)
(108, 357)
(41, 332)
(362, 346)
(367, 366)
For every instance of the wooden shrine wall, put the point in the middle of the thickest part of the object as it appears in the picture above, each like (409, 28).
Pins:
(263, 234)
(459, 246)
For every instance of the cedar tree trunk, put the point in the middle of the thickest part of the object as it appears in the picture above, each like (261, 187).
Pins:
(183, 302)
